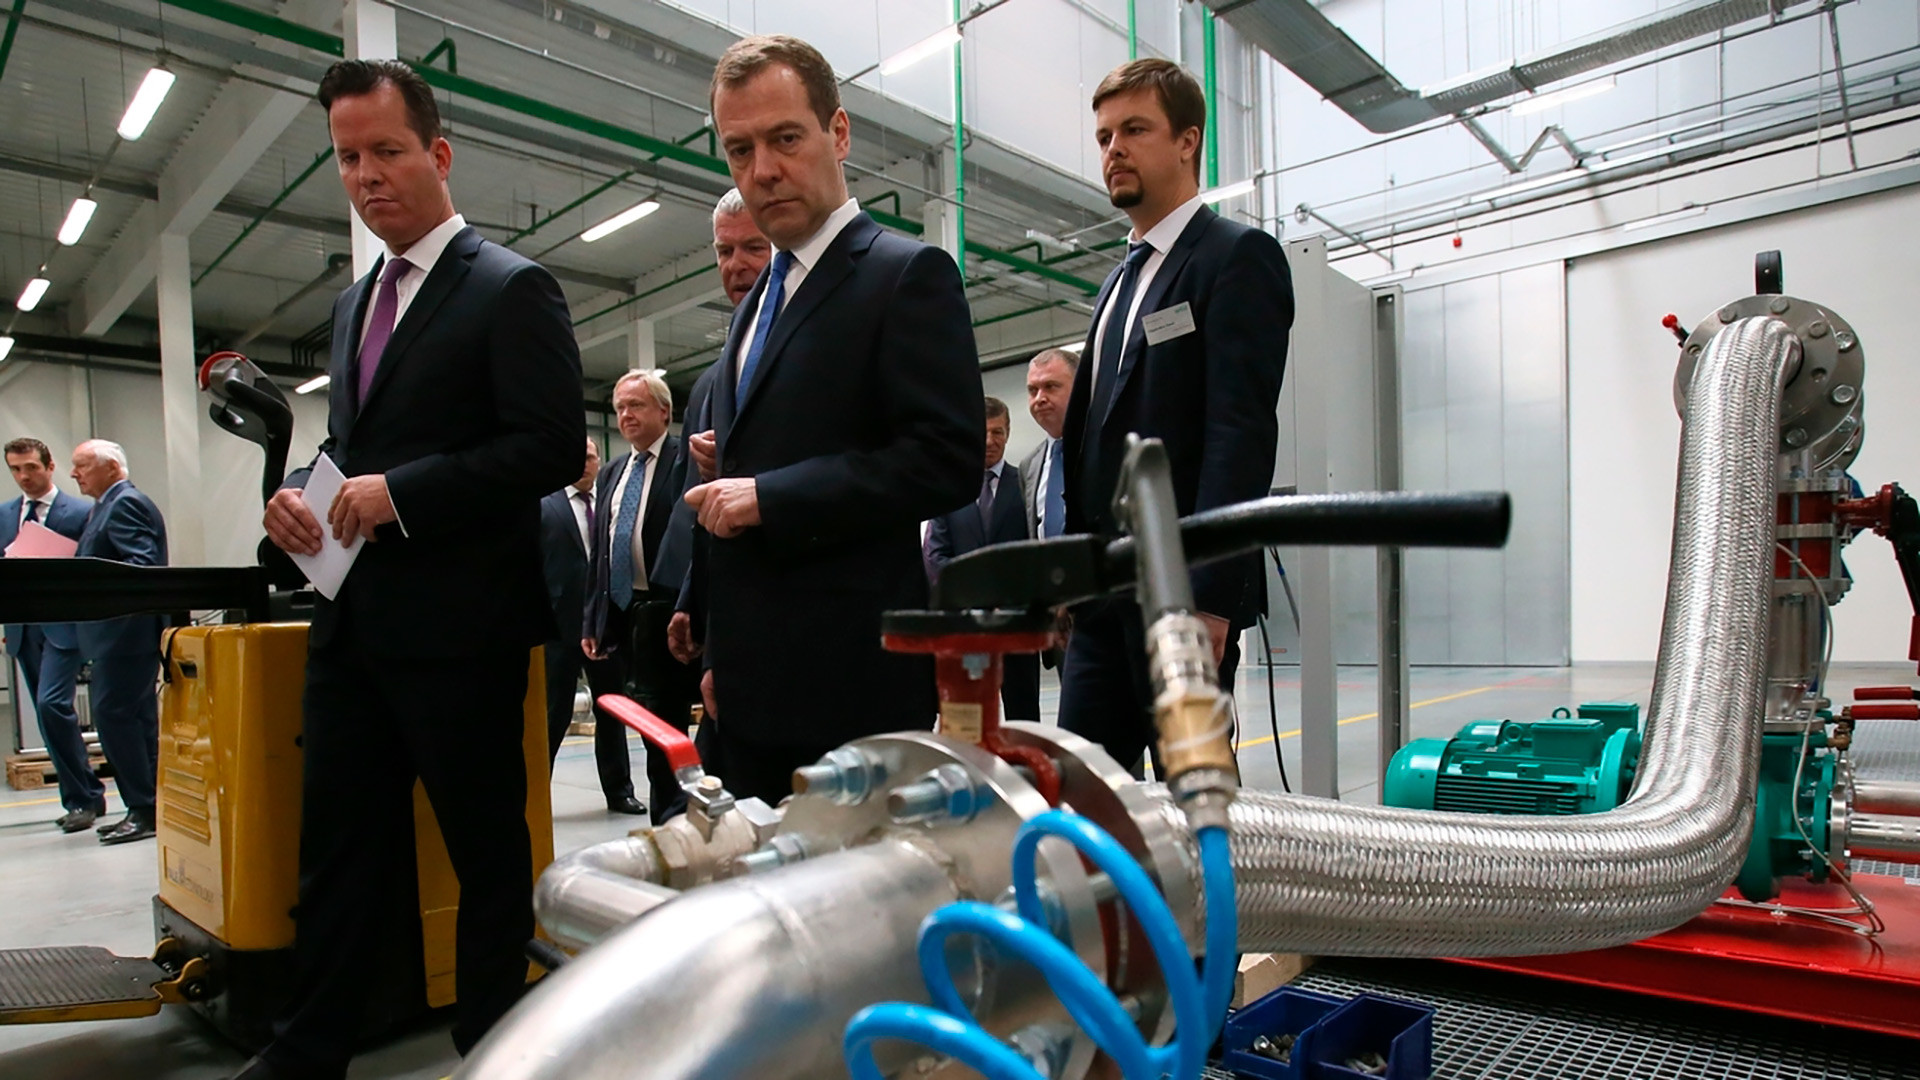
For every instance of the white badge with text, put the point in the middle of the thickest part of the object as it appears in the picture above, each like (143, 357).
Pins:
(1168, 323)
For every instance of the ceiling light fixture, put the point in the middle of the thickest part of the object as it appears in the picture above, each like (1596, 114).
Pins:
(1228, 191)
(619, 221)
(146, 101)
(30, 296)
(1074, 347)
(318, 382)
(1543, 102)
(6, 346)
(78, 215)
(927, 46)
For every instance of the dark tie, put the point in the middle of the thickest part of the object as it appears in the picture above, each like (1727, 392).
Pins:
(620, 579)
(1112, 338)
(985, 502)
(386, 305)
(763, 326)
(1053, 518)
(586, 503)
(33, 509)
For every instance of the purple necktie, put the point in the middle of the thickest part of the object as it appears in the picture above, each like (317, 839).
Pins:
(385, 305)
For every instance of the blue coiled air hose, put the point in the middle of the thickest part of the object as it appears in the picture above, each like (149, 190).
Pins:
(1199, 1001)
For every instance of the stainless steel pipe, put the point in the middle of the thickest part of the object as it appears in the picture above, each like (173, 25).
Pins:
(1896, 839)
(1886, 797)
(1319, 876)
(587, 895)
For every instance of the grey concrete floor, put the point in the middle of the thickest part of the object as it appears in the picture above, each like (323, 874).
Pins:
(68, 890)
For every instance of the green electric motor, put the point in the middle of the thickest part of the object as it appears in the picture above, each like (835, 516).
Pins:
(1570, 764)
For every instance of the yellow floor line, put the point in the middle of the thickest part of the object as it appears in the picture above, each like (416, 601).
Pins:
(1265, 739)
(29, 802)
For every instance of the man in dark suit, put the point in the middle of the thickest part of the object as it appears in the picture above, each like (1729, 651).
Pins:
(626, 616)
(849, 411)
(124, 526)
(996, 517)
(1188, 345)
(454, 407)
(567, 520)
(1043, 475)
(48, 653)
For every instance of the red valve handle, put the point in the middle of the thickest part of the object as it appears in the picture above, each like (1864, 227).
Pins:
(1904, 711)
(671, 740)
(1885, 693)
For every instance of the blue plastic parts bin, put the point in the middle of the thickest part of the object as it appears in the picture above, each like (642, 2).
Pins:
(1328, 1032)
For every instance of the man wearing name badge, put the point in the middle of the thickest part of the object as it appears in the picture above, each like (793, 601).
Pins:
(569, 519)
(626, 618)
(996, 517)
(850, 410)
(454, 407)
(48, 653)
(1188, 345)
(1043, 475)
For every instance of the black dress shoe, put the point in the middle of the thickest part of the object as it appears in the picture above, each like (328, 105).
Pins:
(109, 826)
(138, 826)
(626, 804)
(74, 821)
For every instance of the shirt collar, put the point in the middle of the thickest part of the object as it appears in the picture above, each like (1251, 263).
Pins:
(426, 250)
(1167, 232)
(997, 466)
(653, 451)
(105, 495)
(808, 254)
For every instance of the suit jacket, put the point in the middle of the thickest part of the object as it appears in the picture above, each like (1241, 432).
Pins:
(474, 415)
(67, 516)
(866, 417)
(125, 527)
(958, 532)
(564, 556)
(1209, 395)
(605, 620)
(668, 570)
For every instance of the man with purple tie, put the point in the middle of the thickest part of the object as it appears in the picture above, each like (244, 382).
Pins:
(454, 408)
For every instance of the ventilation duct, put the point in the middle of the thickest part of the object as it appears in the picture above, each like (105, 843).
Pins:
(1295, 33)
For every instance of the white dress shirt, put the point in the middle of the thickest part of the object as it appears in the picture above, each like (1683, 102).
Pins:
(805, 257)
(1161, 238)
(993, 485)
(45, 502)
(640, 519)
(424, 253)
(1040, 481)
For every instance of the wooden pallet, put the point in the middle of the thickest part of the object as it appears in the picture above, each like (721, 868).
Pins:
(32, 772)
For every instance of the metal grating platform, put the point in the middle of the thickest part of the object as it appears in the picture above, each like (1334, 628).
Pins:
(1501, 1027)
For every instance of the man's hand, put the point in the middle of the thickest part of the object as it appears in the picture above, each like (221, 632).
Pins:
(728, 507)
(680, 638)
(361, 505)
(706, 453)
(1219, 630)
(290, 525)
(592, 649)
(706, 695)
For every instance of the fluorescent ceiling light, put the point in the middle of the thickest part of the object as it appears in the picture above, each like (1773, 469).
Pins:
(6, 346)
(920, 50)
(30, 296)
(78, 215)
(619, 221)
(1074, 347)
(318, 382)
(146, 101)
(1228, 191)
(1543, 102)
(1687, 211)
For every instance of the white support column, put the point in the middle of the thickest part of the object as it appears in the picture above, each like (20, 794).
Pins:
(180, 404)
(1312, 569)
(641, 342)
(941, 218)
(79, 411)
(370, 35)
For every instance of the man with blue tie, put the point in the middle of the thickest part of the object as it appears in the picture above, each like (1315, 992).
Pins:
(996, 517)
(848, 411)
(124, 527)
(1188, 345)
(626, 616)
(48, 653)
(1043, 478)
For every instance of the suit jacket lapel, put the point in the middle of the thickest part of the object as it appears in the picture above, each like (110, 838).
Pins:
(1080, 397)
(342, 372)
(448, 272)
(1163, 280)
(10, 520)
(834, 267)
(721, 401)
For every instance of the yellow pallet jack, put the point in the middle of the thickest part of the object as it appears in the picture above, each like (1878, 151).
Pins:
(229, 786)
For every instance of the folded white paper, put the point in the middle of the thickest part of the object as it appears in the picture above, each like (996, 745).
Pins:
(329, 568)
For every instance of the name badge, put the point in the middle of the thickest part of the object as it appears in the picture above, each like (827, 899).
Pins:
(1168, 323)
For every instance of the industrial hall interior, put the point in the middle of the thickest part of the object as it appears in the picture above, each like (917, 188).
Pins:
(923, 539)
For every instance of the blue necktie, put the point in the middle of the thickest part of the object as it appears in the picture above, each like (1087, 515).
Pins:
(763, 326)
(1108, 373)
(620, 578)
(1053, 513)
(33, 510)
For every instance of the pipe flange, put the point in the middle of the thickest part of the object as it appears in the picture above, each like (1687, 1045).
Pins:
(1840, 811)
(1820, 408)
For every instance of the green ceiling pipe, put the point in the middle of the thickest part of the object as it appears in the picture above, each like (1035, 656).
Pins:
(960, 149)
(453, 55)
(1029, 266)
(260, 22)
(312, 166)
(1212, 79)
(617, 305)
(13, 27)
(1133, 33)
